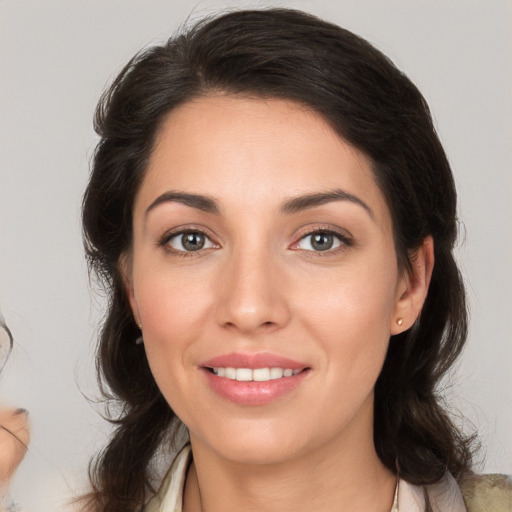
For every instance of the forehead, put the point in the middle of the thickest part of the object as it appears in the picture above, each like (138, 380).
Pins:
(252, 151)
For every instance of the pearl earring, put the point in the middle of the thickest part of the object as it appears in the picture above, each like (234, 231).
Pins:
(399, 321)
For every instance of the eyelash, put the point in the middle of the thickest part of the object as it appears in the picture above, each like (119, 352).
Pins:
(345, 241)
(164, 242)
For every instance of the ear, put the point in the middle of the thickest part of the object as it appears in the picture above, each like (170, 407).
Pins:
(413, 287)
(124, 266)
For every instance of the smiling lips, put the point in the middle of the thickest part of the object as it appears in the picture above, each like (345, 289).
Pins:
(254, 375)
(253, 379)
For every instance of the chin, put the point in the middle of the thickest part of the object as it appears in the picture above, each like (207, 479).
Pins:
(258, 444)
(260, 452)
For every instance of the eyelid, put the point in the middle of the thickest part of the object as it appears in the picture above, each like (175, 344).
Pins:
(163, 241)
(343, 236)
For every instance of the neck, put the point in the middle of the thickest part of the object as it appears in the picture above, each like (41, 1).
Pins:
(348, 476)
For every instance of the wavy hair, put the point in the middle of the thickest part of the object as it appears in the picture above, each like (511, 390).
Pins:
(286, 54)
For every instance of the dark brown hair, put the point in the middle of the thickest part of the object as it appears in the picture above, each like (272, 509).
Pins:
(280, 53)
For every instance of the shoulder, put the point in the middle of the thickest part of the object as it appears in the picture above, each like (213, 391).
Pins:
(487, 493)
(471, 493)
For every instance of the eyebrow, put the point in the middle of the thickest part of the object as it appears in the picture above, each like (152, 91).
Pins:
(295, 204)
(200, 202)
(299, 203)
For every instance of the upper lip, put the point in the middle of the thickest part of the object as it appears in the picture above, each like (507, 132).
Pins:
(252, 361)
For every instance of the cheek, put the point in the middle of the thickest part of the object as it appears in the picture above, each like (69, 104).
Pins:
(349, 314)
(170, 301)
(351, 300)
(173, 308)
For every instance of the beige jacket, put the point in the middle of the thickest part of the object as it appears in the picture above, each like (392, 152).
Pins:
(488, 493)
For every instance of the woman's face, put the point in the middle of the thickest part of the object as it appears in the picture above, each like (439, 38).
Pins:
(263, 244)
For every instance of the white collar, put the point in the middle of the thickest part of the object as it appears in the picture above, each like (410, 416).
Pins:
(443, 496)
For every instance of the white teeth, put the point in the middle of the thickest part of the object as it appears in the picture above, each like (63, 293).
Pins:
(257, 375)
(261, 374)
(276, 373)
(243, 374)
(231, 373)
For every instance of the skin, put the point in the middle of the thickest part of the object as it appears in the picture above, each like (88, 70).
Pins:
(14, 439)
(259, 286)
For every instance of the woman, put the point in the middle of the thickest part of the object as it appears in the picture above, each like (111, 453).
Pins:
(274, 217)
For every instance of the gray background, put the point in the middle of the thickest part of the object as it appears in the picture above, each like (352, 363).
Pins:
(55, 59)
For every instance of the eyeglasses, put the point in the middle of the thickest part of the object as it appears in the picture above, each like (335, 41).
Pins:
(5, 344)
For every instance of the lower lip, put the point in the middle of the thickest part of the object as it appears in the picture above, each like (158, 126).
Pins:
(253, 393)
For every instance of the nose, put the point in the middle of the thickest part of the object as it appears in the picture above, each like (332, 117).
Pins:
(251, 296)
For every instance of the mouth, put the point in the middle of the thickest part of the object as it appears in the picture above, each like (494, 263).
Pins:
(254, 374)
(254, 379)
